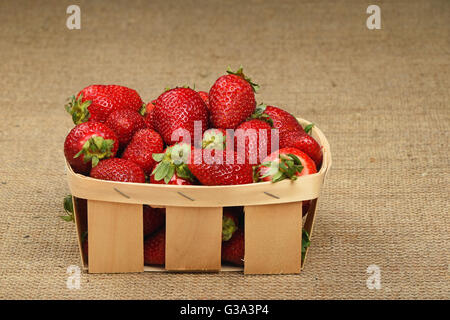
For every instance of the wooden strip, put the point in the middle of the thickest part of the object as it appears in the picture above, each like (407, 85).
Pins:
(193, 239)
(80, 227)
(273, 239)
(309, 223)
(115, 235)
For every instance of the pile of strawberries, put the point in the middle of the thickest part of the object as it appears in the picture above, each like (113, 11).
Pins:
(188, 137)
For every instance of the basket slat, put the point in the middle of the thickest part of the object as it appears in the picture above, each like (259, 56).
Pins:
(273, 235)
(116, 240)
(193, 239)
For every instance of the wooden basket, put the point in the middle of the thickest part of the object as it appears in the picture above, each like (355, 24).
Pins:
(273, 221)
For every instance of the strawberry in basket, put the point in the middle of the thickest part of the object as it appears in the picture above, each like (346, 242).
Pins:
(87, 144)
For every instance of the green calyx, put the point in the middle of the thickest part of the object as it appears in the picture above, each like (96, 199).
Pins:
(306, 242)
(213, 140)
(173, 161)
(78, 109)
(68, 208)
(228, 228)
(260, 114)
(308, 128)
(143, 110)
(286, 168)
(240, 73)
(95, 149)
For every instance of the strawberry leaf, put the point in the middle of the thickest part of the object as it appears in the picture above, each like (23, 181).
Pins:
(308, 128)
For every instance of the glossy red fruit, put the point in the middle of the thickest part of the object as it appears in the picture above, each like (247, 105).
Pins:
(154, 218)
(286, 163)
(254, 141)
(148, 115)
(211, 168)
(87, 143)
(124, 123)
(176, 111)
(230, 223)
(204, 95)
(231, 100)
(305, 143)
(280, 119)
(175, 180)
(140, 150)
(96, 102)
(233, 250)
(155, 248)
(116, 169)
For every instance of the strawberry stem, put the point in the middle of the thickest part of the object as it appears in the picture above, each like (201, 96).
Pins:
(78, 109)
(240, 73)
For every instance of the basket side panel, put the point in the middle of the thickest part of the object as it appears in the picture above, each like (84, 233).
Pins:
(309, 223)
(193, 239)
(273, 238)
(116, 240)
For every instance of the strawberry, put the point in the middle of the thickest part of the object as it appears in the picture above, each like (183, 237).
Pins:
(154, 218)
(144, 143)
(124, 123)
(305, 143)
(96, 102)
(175, 113)
(231, 100)
(148, 114)
(282, 120)
(204, 95)
(285, 163)
(254, 140)
(175, 180)
(211, 167)
(171, 166)
(116, 169)
(233, 250)
(87, 143)
(230, 222)
(155, 248)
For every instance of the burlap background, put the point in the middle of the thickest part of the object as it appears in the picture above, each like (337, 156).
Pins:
(381, 97)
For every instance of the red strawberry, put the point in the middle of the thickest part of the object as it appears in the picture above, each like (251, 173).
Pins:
(144, 143)
(171, 166)
(282, 120)
(231, 100)
(230, 222)
(205, 97)
(285, 163)
(305, 143)
(154, 218)
(124, 123)
(96, 102)
(87, 143)
(211, 167)
(254, 140)
(116, 169)
(175, 180)
(148, 115)
(155, 248)
(233, 250)
(175, 112)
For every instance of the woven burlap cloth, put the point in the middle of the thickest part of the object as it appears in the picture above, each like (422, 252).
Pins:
(380, 96)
